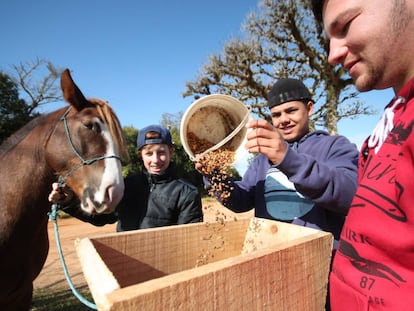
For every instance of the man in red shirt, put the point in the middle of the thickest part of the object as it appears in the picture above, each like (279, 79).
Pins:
(374, 265)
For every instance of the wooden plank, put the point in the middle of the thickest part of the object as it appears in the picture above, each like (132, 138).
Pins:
(100, 279)
(168, 250)
(263, 233)
(252, 265)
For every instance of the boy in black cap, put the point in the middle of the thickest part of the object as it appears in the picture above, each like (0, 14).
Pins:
(301, 177)
(153, 198)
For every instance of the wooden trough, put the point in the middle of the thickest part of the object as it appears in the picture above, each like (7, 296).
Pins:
(248, 264)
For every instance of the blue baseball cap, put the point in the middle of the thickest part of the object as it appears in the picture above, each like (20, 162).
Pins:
(164, 138)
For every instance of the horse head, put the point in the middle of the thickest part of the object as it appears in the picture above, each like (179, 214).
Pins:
(85, 148)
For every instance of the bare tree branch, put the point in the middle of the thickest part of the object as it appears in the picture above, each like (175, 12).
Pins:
(39, 81)
(282, 39)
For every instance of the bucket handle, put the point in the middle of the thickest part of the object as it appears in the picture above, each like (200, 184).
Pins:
(226, 139)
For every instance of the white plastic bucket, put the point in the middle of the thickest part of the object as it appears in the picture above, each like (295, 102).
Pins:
(219, 119)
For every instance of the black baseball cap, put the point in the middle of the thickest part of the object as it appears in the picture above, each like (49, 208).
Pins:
(287, 90)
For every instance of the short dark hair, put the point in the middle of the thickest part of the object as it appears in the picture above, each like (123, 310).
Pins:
(317, 6)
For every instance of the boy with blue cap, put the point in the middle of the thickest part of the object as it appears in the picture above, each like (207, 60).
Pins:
(157, 196)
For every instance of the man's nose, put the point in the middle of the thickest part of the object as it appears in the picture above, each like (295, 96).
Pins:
(337, 51)
(284, 118)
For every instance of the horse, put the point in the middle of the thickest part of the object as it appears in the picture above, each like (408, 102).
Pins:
(81, 145)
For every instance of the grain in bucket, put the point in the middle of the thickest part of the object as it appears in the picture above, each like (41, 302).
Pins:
(213, 122)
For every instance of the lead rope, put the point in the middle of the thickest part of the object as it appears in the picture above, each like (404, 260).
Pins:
(53, 216)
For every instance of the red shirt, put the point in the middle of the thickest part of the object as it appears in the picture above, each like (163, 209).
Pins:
(373, 268)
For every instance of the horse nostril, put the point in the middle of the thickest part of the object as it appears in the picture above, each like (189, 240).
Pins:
(113, 194)
(109, 194)
(99, 207)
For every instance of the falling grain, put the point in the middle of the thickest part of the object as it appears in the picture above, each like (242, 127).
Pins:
(216, 165)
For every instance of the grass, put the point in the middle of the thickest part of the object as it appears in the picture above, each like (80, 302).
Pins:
(65, 300)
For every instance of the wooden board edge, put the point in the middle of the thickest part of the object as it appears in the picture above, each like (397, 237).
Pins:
(100, 279)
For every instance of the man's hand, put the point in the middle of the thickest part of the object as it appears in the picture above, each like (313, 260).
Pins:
(263, 138)
(60, 194)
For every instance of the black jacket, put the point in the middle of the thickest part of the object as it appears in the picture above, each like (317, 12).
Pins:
(158, 200)
(150, 201)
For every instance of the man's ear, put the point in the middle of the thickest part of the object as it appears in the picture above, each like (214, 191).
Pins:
(310, 105)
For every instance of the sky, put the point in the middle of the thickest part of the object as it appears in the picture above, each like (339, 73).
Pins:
(136, 54)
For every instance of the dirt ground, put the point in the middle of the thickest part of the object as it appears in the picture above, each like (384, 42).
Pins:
(52, 276)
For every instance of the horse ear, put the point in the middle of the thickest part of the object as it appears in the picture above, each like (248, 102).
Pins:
(71, 93)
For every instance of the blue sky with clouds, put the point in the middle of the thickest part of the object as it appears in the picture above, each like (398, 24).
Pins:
(135, 54)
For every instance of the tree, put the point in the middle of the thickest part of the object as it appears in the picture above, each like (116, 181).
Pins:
(14, 112)
(283, 39)
(135, 164)
(39, 91)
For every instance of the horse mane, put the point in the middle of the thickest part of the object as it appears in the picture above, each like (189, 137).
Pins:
(110, 119)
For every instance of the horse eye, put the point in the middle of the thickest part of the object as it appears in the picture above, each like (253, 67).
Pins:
(91, 126)
(88, 125)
